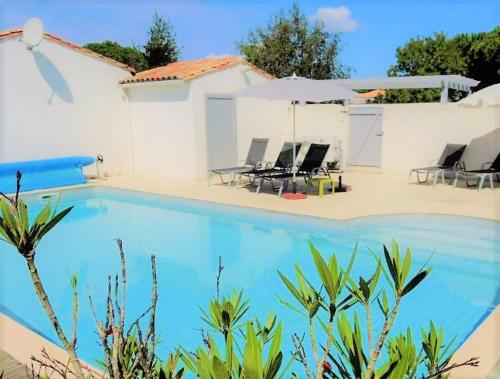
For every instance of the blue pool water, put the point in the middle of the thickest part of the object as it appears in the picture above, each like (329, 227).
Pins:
(188, 237)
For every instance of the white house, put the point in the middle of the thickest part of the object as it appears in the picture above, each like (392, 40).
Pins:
(61, 99)
(180, 120)
(182, 117)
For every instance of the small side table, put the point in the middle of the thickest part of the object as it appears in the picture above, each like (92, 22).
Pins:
(321, 185)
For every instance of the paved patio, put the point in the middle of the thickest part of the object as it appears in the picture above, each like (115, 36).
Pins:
(11, 368)
(372, 194)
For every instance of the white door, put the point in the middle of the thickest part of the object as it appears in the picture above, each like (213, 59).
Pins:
(221, 133)
(365, 136)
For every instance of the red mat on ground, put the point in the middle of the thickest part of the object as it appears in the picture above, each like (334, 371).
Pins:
(294, 196)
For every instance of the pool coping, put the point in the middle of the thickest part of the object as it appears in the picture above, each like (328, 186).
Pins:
(31, 345)
(372, 194)
(100, 183)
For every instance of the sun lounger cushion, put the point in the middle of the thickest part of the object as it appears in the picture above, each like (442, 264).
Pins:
(451, 154)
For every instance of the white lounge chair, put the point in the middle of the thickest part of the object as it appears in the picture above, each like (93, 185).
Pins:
(254, 159)
(449, 161)
(487, 170)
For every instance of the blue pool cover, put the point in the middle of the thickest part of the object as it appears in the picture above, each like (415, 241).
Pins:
(45, 173)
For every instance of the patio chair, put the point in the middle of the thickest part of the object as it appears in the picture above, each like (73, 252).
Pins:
(308, 169)
(254, 159)
(283, 162)
(493, 168)
(449, 161)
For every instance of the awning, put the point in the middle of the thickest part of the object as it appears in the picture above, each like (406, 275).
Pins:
(444, 82)
(457, 82)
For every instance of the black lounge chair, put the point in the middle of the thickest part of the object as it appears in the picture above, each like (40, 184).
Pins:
(283, 162)
(254, 159)
(449, 161)
(310, 167)
(481, 174)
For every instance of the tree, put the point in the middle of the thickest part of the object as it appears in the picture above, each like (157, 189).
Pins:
(482, 55)
(288, 45)
(474, 55)
(161, 47)
(131, 56)
(434, 55)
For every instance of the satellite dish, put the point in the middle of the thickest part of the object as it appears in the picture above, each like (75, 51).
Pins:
(32, 32)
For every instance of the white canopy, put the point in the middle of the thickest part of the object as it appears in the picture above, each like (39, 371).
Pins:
(294, 88)
(444, 82)
(457, 82)
(489, 96)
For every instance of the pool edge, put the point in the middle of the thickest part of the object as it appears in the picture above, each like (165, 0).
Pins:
(483, 342)
(97, 185)
(21, 343)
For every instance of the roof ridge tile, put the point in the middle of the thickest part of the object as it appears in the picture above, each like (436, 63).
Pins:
(190, 69)
(5, 34)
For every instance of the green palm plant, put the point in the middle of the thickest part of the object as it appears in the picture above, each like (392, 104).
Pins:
(132, 355)
(437, 353)
(403, 359)
(397, 270)
(333, 280)
(225, 314)
(209, 362)
(17, 229)
(337, 293)
(168, 369)
(251, 349)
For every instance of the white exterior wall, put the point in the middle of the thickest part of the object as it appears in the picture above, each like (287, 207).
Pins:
(219, 83)
(274, 120)
(168, 121)
(414, 134)
(161, 118)
(56, 101)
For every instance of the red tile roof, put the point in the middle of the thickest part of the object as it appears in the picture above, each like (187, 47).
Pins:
(188, 70)
(372, 94)
(18, 32)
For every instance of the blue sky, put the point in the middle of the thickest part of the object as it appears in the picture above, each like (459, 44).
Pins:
(371, 29)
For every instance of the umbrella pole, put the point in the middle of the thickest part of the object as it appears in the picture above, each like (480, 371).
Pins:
(294, 183)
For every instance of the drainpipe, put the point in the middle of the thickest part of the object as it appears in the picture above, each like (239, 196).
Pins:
(131, 161)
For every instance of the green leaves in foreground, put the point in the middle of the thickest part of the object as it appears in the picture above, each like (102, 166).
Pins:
(333, 280)
(251, 349)
(353, 350)
(253, 363)
(437, 353)
(15, 227)
(210, 362)
(402, 360)
(225, 314)
(399, 269)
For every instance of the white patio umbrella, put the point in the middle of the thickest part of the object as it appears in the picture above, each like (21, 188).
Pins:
(297, 90)
(489, 96)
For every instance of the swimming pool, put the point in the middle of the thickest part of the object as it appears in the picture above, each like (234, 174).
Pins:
(188, 236)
